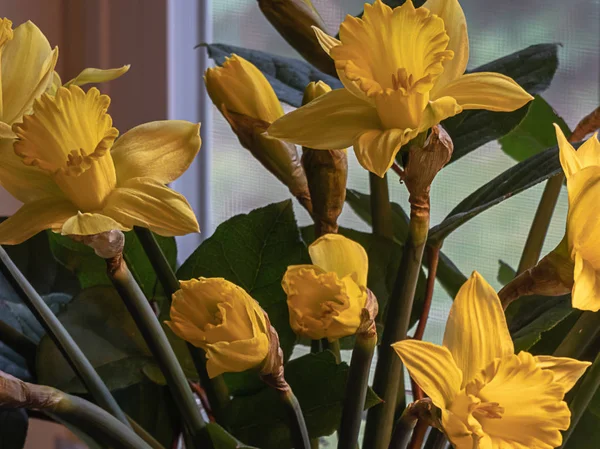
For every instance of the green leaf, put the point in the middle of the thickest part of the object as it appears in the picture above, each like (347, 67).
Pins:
(587, 433)
(100, 323)
(506, 273)
(535, 133)
(515, 180)
(448, 274)
(533, 68)
(318, 383)
(254, 251)
(224, 440)
(14, 424)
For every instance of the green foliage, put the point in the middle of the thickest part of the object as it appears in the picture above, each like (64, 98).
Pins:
(318, 383)
(14, 425)
(254, 251)
(587, 433)
(535, 133)
(506, 273)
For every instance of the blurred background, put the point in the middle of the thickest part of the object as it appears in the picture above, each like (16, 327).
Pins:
(157, 37)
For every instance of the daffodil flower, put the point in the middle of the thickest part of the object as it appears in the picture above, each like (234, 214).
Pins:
(403, 72)
(221, 318)
(582, 170)
(489, 397)
(326, 299)
(26, 70)
(74, 178)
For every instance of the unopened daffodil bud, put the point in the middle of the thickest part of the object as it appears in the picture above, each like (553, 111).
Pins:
(27, 66)
(294, 19)
(330, 298)
(490, 397)
(247, 101)
(573, 266)
(326, 173)
(74, 178)
(226, 322)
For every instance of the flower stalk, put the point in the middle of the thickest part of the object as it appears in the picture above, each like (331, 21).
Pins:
(381, 209)
(216, 389)
(580, 337)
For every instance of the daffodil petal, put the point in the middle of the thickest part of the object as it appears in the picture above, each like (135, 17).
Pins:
(160, 150)
(566, 371)
(486, 90)
(31, 218)
(569, 158)
(476, 331)
(27, 68)
(147, 203)
(456, 430)
(237, 356)
(338, 254)
(432, 368)
(6, 131)
(330, 122)
(586, 288)
(439, 110)
(92, 75)
(455, 25)
(89, 224)
(589, 152)
(376, 149)
(23, 182)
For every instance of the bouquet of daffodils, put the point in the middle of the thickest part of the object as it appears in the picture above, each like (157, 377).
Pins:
(101, 331)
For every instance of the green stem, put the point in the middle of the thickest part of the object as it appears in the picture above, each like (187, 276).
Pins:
(585, 393)
(403, 430)
(97, 423)
(299, 433)
(356, 391)
(541, 222)
(580, 337)
(389, 372)
(436, 440)
(64, 342)
(21, 344)
(216, 388)
(381, 209)
(333, 346)
(315, 346)
(159, 345)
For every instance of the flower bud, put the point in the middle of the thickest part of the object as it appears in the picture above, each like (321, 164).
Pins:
(330, 298)
(222, 319)
(326, 173)
(247, 101)
(294, 19)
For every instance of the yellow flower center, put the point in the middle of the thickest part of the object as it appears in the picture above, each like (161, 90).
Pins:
(69, 136)
(491, 410)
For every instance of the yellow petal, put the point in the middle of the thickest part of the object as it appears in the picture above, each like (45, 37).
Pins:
(6, 131)
(147, 203)
(455, 25)
(432, 368)
(589, 152)
(91, 75)
(340, 255)
(476, 331)
(486, 90)
(27, 68)
(242, 88)
(568, 156)
(237, 356)
(322, 305)
(372, 52)
(330, 122)
(533, 408)
(439, 110)
(457, 431)
(159, 150)
(586, 289)
(23, 182)
(89, 224)
(31, 218)
(566, 371)
(377, 149)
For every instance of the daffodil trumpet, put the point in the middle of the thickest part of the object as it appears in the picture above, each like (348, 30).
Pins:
(487, 395)
(403, 71)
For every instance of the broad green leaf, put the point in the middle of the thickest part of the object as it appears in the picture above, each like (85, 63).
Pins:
(506, 273)
(254, 251)
(448, 274)
(224, 440)
(516, 179)
(14, 424)
(318, 383)
(535, 133)
(587, 433)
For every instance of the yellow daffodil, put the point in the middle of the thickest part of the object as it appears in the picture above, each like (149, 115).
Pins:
(582, 170)
(75, 179)
(403, 72)
(326, 299)
(489, 397)
(221, 318)
(26, 68)
(88, 76)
